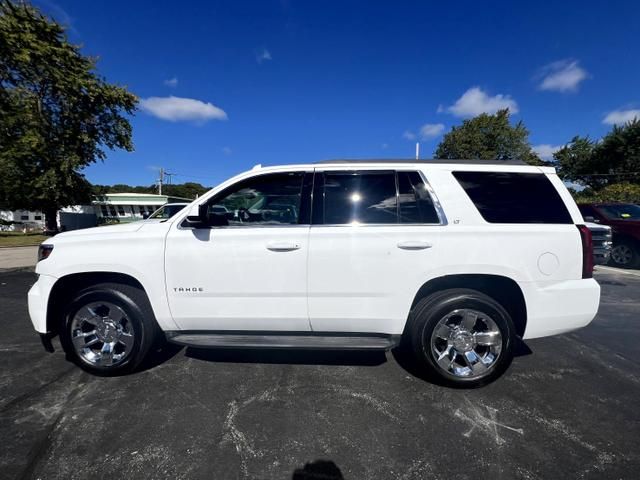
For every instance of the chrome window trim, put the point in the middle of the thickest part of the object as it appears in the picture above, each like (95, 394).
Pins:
(240, 227)
(434, 198)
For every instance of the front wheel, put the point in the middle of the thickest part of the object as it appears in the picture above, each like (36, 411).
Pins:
(624, 254)
(108, 329)
(461, 337)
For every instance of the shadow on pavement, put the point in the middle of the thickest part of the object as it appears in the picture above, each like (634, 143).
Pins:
(294, 357)
(159, 355)
(318, 470)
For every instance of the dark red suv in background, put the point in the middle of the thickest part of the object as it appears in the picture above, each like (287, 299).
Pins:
(624, 220)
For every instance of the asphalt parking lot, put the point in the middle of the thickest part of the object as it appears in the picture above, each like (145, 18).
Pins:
(569, 409)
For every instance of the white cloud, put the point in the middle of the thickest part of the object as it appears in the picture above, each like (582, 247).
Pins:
(431, 130)
(620, 117)
(176, 109)
(227, 150)
(263, 55)
(172, 82)
(546, 151)
(385, 146)
(562, 76)
(409, 135)
(476, 101)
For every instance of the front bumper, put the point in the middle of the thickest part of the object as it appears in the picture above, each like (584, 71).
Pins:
(560, 307)
(38, 300)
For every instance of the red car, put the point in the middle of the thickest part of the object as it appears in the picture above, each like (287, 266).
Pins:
(624, 220)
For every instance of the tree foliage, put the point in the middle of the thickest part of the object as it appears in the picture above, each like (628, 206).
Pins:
(615, 159)
(615, 192)
(56, 114)
(488, 137)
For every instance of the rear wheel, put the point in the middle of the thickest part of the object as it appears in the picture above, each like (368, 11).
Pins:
(461, 337)
(108, 329)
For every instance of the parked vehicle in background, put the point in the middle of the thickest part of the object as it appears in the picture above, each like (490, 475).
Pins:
(452, 260)
(166, 211)
(601, 235)
(624, 220)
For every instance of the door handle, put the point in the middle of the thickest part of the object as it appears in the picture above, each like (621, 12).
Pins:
(414, 245)
(283, 246)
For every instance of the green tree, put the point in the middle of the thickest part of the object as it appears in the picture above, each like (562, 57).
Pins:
(488, 137)
(615, 159)
(576, 157)
(185, 190)
(615, 192)
(57, 115)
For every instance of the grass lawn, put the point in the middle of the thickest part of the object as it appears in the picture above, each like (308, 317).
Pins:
(19, 239)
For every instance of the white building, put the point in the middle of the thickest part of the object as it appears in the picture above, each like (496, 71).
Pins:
(107, 208)
(128, 207)
(21, 219)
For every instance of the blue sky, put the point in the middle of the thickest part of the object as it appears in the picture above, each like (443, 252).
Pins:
(288, 81)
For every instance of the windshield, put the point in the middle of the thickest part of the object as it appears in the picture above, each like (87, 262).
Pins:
(167, 211)
(624, 211)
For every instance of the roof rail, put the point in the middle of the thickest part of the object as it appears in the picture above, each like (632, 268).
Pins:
(511, 161)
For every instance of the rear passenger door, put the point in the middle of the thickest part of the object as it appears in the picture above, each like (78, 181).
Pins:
(373, 236)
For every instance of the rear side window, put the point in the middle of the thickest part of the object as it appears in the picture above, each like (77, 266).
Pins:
(505, 197)
(416, 205)
(354, 197)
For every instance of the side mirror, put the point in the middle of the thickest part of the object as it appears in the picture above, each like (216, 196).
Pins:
(199, 215)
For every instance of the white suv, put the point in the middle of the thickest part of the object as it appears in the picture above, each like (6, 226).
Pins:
(453, 260)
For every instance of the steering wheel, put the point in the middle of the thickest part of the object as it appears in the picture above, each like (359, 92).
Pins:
(244, 215)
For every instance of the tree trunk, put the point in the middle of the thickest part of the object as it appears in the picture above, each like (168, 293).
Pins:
(50, 219)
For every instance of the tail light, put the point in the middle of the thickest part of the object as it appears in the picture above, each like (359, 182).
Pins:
(44, 250)
(587, 251)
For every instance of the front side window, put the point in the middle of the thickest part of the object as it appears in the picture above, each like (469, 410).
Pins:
(272, 199)
(360, 198)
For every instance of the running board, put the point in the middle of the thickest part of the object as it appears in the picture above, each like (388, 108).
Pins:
(299, 341)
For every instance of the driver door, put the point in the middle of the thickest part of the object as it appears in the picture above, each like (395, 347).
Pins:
(249, 272)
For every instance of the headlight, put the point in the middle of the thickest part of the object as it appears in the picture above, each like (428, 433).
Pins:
(44, 251)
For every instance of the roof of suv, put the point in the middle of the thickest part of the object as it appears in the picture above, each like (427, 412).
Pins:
(428, 160)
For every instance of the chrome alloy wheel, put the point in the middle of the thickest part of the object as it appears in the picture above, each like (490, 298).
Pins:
(466, 343)
(621, 254)
(102, 334)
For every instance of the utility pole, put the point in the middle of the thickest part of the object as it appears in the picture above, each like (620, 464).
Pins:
(417, 150)
(160, 180)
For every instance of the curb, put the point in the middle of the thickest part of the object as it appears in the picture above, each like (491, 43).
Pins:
(18, 269)
(603, 268)
(19, 246)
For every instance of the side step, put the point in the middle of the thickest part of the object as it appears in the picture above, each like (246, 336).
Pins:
(300, 341)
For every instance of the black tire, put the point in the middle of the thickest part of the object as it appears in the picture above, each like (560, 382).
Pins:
(137, 309)
(427, 314)
(627, 257)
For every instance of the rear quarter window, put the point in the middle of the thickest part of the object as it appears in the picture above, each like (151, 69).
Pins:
(507, 197)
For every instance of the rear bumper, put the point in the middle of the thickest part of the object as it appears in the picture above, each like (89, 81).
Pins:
(38, 300)
(560, 307)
